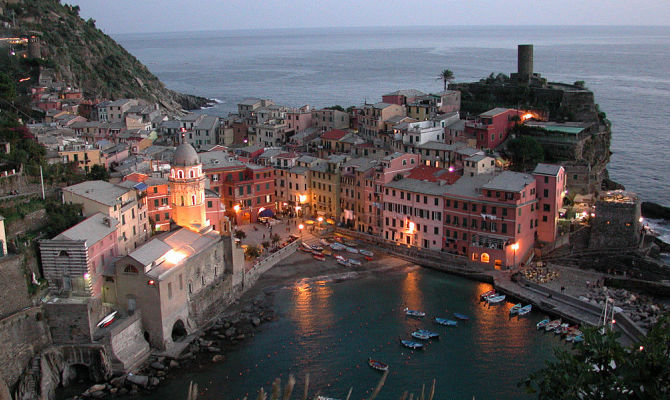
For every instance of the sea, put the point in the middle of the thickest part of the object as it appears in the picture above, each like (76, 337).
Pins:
(329, 327)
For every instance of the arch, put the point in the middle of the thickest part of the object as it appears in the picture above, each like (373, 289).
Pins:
(180, 174)
(191, 174)
(63, 253)
(178, 331)
(485, 257)
(147, 337)
(75, 373)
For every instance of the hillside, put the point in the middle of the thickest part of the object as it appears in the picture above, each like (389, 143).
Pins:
(85, 57)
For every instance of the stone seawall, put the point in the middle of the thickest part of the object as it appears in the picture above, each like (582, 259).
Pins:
(262, 266)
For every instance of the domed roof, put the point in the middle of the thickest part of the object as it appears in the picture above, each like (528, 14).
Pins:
(185, 155)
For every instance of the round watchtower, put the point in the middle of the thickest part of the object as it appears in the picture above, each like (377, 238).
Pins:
(525, 62)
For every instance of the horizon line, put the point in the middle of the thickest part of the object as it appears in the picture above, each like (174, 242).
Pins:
(385, 27)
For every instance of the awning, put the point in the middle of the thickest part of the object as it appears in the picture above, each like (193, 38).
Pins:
(266, 213)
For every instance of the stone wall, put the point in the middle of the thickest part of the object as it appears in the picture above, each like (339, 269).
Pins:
(262, 266)
(22, 336)
(211, 301)
(72, 321)
(13, 285)
(126, 345)
(616, 225)
(33, 221)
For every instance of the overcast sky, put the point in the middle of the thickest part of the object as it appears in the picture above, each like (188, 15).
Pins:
(129, 16)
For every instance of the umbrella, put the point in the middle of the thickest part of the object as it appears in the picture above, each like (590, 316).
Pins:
(266, 213)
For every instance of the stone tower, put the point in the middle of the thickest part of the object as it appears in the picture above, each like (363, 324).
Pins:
(525, 62)
(34, 49)
(187, 189)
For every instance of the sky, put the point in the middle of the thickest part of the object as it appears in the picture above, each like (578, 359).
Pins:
(137, 16)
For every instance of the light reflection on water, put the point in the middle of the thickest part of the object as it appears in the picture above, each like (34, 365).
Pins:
(329, 329)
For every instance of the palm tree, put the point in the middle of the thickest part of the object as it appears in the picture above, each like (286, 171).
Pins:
(446, 76)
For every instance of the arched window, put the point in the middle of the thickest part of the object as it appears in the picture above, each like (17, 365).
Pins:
(180, 174)
(130, 269)
(485, 257)
(191, 174)
(182, 200)
(193, 199)
(63, 253)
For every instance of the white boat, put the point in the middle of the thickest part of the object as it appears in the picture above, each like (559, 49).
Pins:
(317, 247)
(495, 299)
(107, 320)
(414, 313)
(339, 257)
(366, 253)
(515, 309)
(337, 246)
(552, 325)
(344, 262)
(305, 245)
(354, 262)
(324, 242)
(525, 309)
(351, 250)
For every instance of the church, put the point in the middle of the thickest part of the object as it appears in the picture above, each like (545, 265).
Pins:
(181, 279)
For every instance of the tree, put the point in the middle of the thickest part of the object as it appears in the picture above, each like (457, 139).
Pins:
(445, 76)
(265, 244)
(252, 251)
(98, 173)
(335, 107)
(62, 216)
(240, 235)
(601, 368)
(7, 88)
(525, 152)
(275, 239)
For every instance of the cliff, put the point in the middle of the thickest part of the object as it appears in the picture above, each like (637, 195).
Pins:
(85, 57)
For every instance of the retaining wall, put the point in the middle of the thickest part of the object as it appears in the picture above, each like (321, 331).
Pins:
(262, 266)
(22, 336)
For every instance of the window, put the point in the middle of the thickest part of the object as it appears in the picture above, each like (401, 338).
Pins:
(158, 217)
(155, 189)
(504, 212)
(546, 207)
(180, 174)
(436, 230)
(169, 290)
(546, 179)
(190, 174)
(437, 201)
(167, 216)
(156, 203)
(130, 269)
(544, 218)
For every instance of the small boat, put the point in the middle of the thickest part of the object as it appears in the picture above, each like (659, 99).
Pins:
(351, 250)
(317, 252)
(327, 253)
(496, 299)
(350, 243)
(487, 294)
(515, 308)
(304, 249)
(414, 313)
(462, 317)
(525, 310)
(411, 344)
(336, 246)
(366, 252)
(542, 323)
(325, 398)
(446, 322)
(562, 329)
(339, 257)
(107, 321)
(354, 262)
(378, 365)
(306, 246)
(324, 242)
(344, 262)
(431, 334)
(420, 335)
(319, 257)
(552, 325)
(317, 247)
(578, 339)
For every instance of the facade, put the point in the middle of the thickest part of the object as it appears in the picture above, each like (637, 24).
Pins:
(491, 127)
(478, 164)
(327, 119)
(85, 156)
(551, 189)
(372, 116)
(293, 189)
(298, 120)
(402, 97)
(117, 202)
(617, 223)
(325, 187)
(157, 200)
(76, 260)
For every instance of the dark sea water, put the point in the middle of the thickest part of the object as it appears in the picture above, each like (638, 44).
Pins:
(330, 328)
(628, 68)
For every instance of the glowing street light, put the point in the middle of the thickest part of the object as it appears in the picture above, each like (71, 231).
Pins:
(301, 227)
(236, 207)
(515, 247)
(320, 219)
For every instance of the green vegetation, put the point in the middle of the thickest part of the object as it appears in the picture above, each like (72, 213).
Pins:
(62, 216)
(252, 251)
(445, 76)
(239, 235)
(335, 107)
(524, 152)
(601, 368)
(98, 173)
(275, 239)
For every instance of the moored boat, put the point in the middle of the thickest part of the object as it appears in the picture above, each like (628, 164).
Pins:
(351, 250)
(319, 257)
(411, 344)
(542, 323)
(515, 308)
(431, 334)
(462, 317)
(445, 322)
(525, 310)
(366, 252)
(420, 335)
(578, 339)
(344, 262)
(484, 295)
(354, 262)
(107, 320)
(350, 243)
(324, 242)
(378, 365)
(496, 299)
(414, 313)
(308, 247)
(327, 253)
(336, 246)
(552, 325)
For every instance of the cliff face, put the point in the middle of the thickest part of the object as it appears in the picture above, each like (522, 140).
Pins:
(85, 57)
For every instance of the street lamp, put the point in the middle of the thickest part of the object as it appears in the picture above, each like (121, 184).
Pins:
(301, 226)
(515, 247)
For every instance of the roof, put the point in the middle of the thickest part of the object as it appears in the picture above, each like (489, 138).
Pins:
(150, 251)
(185, 155)
(361, 164)
(406, 93)
(298, 170)
(457, 125)
(477, 157)
(418, 186)
(509, 181)
(547, 169)
(218, 159)
(468, 151)
(433, 174)
(119, 102)
(493, 112)
(249, 101)
(432, 145)
(91, 230)
(335, 134)
(208, 122)
(269, 153)
(100, 191)
(562, 127)
(381, 105)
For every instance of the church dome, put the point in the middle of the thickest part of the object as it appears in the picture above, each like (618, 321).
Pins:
(185, 155)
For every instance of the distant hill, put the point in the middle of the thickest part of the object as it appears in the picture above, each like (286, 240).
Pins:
(85, 57)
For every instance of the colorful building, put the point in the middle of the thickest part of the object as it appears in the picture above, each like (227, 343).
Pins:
(491, 127)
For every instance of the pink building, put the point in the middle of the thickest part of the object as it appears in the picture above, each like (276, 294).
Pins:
(491, 127)
(76, 260)
(396, 164)
(299, 119)
(551, 189)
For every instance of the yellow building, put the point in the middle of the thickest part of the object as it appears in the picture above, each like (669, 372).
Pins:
(85, 156)
(325, 187)
(187, 189)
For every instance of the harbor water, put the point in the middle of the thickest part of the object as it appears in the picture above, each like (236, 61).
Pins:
(329, 328)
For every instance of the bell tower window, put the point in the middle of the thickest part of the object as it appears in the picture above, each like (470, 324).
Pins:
(180, 174)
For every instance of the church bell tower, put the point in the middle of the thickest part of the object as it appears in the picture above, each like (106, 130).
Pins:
(187, 189)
